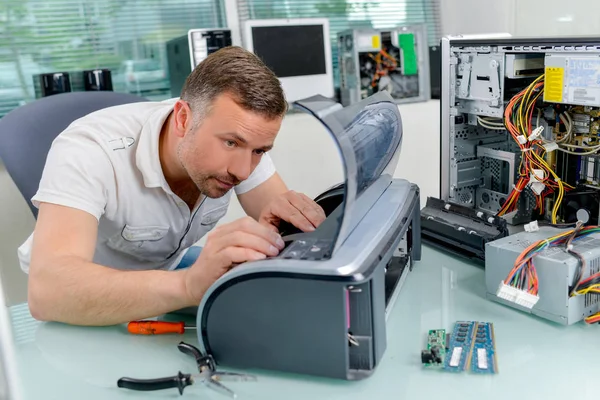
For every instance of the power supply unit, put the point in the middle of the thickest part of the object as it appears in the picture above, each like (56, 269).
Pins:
(557, 273)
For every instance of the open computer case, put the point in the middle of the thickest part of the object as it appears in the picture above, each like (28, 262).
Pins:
(520, 125)
(393, 59)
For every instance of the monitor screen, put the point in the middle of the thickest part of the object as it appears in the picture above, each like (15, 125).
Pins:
(291, 50)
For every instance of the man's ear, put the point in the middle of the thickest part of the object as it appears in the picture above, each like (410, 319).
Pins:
(182, 117)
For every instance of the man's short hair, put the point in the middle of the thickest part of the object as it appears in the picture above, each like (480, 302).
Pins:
(242, 75)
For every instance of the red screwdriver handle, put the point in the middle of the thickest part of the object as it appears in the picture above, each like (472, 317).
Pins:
(155, 327)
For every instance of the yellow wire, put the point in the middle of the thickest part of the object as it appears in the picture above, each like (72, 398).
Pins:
(522, 119)
(522, 123)
(593, 288)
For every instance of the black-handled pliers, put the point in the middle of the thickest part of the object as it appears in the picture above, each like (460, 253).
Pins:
(208, 376)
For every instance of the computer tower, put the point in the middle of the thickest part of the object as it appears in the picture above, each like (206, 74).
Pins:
(435, 71)
(519, 139)
(184, 53)
(396, 60)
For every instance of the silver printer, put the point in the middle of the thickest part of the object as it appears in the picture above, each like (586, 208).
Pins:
(320, 306)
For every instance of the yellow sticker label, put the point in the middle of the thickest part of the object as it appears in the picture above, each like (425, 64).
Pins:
(553, 85)
(376, 42)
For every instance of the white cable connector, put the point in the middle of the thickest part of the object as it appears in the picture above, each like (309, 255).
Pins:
(537, 132)
(537, 175)
(550, 146)
(535, 181)
(521, 139)
(532, 227)
(537, 187)
(517, 296)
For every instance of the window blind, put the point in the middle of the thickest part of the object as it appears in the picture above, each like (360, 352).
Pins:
(348, 14)
(126, 36)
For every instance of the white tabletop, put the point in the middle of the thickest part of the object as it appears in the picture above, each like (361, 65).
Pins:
(536, 359)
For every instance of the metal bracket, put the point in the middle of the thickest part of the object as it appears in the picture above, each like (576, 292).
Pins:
(494, 82)
(466, 78)
(502, 155)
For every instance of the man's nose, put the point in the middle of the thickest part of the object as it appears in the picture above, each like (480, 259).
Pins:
(241, 166)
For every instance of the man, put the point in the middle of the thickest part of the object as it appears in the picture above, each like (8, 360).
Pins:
(126, 190)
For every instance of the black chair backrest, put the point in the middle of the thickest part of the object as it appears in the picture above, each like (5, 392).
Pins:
(26, 133)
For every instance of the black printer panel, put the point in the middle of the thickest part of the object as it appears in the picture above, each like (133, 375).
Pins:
(316, 245)
(307, 249)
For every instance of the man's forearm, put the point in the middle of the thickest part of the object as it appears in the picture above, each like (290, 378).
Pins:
(83, 293)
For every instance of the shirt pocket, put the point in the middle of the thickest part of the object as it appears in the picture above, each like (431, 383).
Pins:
(210, 219)
(144, 243)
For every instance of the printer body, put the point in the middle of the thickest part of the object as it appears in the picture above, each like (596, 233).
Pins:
(320, 307)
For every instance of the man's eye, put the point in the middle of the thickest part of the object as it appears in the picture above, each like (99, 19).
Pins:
(259, 152)
(229, 143)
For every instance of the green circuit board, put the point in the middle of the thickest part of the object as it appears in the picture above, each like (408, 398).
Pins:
(435, 353)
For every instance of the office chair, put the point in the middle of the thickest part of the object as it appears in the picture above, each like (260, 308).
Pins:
(27, 132)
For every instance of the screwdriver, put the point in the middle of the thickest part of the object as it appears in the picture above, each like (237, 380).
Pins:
(157, 327)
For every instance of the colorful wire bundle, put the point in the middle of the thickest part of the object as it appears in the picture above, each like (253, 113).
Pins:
(518, 116)
(524, 277)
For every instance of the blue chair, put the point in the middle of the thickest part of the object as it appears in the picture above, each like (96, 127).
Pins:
(27, 132)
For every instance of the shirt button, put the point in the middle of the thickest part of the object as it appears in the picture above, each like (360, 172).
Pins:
(180, 204)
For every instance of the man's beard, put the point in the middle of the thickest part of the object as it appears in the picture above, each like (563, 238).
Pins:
(208, 184)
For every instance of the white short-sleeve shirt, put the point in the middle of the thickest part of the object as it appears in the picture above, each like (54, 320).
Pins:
(107, 164)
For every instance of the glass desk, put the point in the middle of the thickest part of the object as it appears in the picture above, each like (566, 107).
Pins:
(536, 359)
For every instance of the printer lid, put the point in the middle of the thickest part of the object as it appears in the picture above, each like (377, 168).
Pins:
(368, 135)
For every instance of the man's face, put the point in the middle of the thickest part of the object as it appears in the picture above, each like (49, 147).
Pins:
(226, 147)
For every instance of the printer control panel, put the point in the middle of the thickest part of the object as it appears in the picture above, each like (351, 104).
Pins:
(307, 249)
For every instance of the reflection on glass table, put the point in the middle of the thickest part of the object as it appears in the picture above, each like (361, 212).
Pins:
(536, 359)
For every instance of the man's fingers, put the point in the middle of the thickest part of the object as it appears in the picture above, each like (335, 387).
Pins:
(248, 241)
(309, 209)
(288, 212)
(249, 225)
(237, 255)
(318, 210)
(269, 226)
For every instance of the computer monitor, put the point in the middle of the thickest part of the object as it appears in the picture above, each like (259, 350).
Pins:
(9, 382)
(298, 51)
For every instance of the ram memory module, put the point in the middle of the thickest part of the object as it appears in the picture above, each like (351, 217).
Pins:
(483, 356)
(459, 346)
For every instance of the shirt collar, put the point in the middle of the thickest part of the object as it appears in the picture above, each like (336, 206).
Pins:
(147, 157)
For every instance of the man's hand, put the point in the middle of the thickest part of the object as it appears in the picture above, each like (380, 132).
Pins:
(295, 208)
(237, 242)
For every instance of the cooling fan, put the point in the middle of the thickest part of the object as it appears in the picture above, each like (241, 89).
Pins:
(582, 204)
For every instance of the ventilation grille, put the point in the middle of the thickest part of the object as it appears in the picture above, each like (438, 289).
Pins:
(523, 244)
(592, 298)
(465, 195)
(594, 266)
(491, 167)
(462, 133)
(531, 199)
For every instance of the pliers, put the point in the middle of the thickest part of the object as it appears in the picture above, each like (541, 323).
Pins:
(208, 376)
